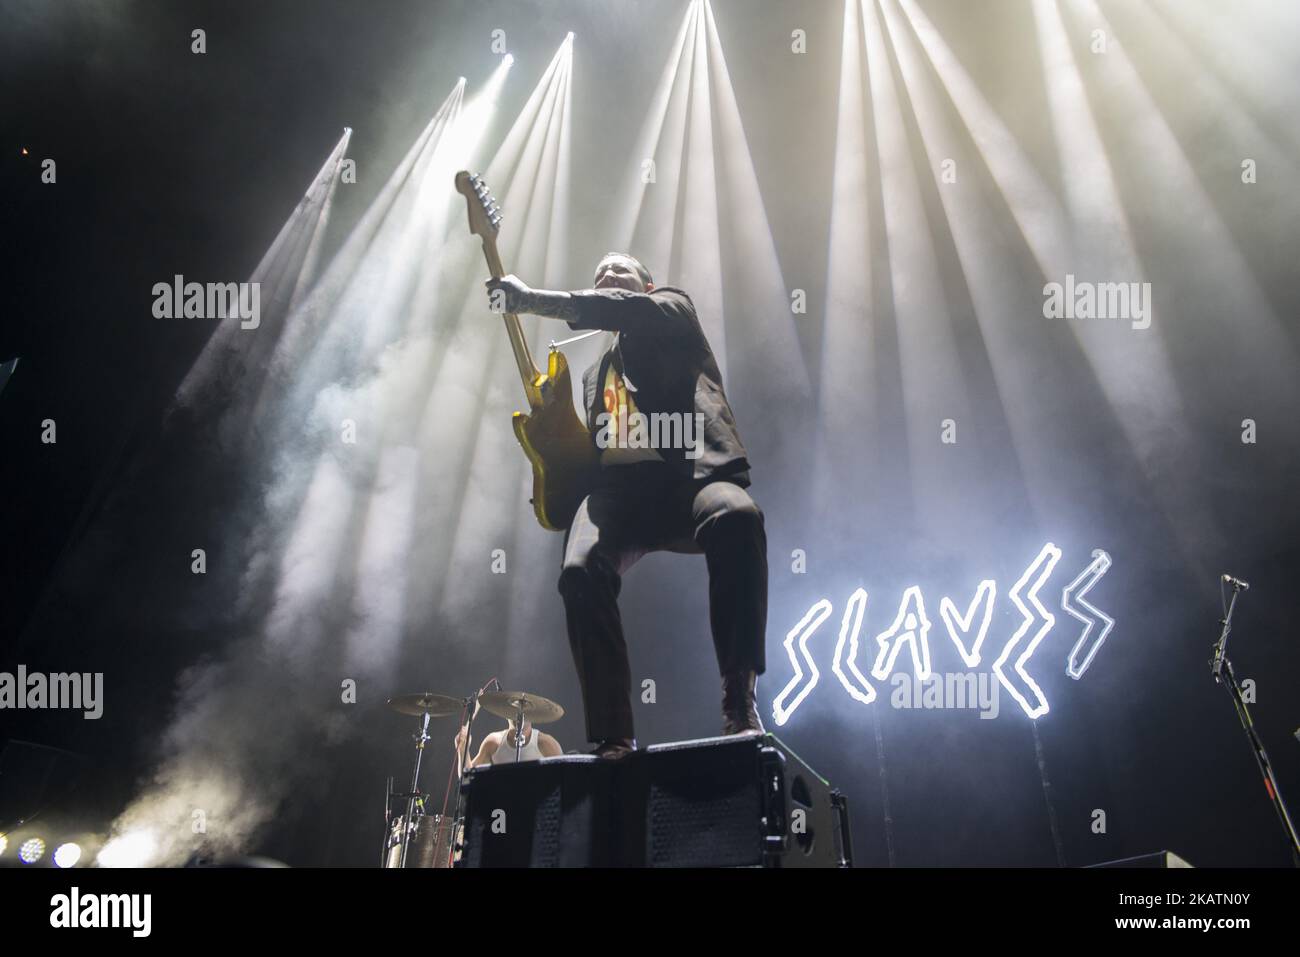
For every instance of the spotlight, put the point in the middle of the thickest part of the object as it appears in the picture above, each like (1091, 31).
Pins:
(67, 855)
(510, 58)
(133, 849)
(31, 851)
(569, 37)
(4, 842)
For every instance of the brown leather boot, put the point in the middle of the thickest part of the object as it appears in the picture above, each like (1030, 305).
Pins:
(739, 703)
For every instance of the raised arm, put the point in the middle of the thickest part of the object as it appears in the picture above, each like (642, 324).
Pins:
(485, 751)
(661, 312)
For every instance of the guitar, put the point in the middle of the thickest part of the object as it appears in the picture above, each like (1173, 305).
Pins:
(554, 438)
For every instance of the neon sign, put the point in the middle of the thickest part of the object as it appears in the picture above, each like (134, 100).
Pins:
(1039, 569)
(1100, 565)
(987, 593)
(803, 631)
(968, 632)
(861, 689)
(911, 614)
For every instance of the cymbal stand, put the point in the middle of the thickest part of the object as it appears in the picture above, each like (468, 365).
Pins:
(420, 740)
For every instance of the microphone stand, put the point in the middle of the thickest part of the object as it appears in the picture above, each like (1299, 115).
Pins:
(462, 755)
(519, 730)
(1221, 668)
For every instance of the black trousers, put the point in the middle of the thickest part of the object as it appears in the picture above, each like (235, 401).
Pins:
(643, 508)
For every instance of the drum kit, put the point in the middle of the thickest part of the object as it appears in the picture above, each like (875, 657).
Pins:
(416, 837)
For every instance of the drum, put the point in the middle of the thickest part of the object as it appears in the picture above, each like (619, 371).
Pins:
(430, 841)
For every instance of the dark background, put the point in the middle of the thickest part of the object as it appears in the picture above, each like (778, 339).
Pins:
(170, 162)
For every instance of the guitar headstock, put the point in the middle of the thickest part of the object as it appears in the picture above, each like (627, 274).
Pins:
(484, 213)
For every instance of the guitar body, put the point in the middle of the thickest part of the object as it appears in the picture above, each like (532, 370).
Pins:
(553, 436)
(558, 447)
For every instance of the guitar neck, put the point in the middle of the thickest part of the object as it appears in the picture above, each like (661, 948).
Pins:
(528, 370)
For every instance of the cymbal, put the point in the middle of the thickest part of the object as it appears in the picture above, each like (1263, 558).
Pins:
(435, 705)
(507, 704)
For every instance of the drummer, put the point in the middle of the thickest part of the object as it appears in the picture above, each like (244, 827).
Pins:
(500, 747)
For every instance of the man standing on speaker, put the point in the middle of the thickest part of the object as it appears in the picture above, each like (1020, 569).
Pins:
(665, 498)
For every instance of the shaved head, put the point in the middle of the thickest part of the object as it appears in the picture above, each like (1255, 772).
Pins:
(623, 271)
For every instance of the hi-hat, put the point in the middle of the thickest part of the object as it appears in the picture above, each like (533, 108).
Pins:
(430, 703)
(508, 704)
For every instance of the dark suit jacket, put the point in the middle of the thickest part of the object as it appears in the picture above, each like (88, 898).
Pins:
(667, 358)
